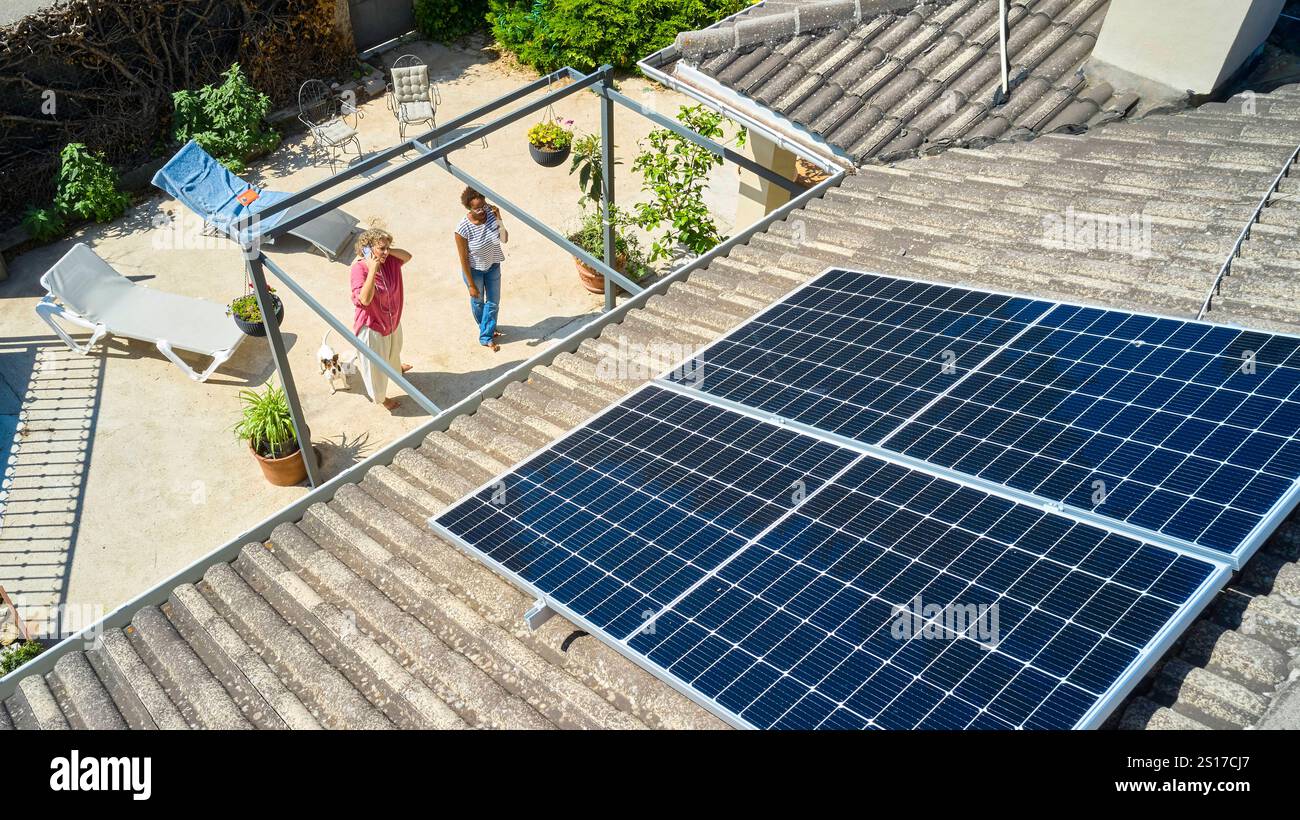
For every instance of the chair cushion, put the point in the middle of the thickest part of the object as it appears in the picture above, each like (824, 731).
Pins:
(336, 131)
(411, 83)
(416, 111)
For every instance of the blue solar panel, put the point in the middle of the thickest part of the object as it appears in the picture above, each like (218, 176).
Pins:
(627, 512)
(857, 354)
(802, 629)
(761, 571)
(1183, 428)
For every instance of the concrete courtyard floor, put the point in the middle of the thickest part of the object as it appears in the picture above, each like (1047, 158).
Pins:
(125, 471)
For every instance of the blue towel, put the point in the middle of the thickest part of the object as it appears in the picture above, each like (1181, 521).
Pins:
(208, 188)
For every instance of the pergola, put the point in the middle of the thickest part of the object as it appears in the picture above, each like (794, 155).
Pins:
(430, 149)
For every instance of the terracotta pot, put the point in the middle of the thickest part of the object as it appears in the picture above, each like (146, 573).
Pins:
(547, 158)
(285, 471)
(593, 280)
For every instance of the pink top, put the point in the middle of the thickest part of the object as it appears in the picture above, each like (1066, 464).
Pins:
(385, 309)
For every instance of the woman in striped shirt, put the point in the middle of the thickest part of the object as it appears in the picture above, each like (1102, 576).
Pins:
(479, 238)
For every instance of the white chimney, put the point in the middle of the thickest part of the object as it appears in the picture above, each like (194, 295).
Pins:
(1187, 45)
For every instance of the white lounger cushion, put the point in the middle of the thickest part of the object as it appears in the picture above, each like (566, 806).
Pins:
(91, 288)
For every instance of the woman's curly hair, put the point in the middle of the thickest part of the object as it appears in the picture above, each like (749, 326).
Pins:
(373, 236)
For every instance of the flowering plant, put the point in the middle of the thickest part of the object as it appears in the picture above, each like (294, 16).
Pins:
(551, 136)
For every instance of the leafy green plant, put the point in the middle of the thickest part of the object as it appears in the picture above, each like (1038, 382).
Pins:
(590, 236)
(44, 224)
(674, 172)
(19, 654)
(550, 34)
(446, 20)
(246, 306)
(588, 162)
(88, 186)
(227, 120)
(550, 136)
(266, 424)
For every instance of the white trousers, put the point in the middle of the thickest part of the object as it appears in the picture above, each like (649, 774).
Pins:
(389, 349)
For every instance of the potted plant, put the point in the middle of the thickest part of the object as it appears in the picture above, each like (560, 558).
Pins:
(629, 257)
(268, 428)
(550, 141)
(248, 314)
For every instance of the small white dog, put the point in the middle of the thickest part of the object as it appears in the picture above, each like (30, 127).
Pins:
(332, 368)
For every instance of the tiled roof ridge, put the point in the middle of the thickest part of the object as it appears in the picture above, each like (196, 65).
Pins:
(752, 30)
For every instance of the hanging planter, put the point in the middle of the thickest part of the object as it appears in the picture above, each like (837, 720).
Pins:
(248, 315)
(550, 141)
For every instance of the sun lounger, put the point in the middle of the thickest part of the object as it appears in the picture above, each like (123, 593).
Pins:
(85, 291)
(233, 206)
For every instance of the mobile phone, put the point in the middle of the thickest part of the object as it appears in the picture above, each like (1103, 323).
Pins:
(366, 252)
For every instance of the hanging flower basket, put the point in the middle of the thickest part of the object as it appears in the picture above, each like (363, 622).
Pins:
(549, 142)
(248, 315)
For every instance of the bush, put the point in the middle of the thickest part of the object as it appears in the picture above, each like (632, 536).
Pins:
(88, 186)
(226, 120)
(550, 34)
(44, 224)
(16, 656)
(674, 172)
(445, 20)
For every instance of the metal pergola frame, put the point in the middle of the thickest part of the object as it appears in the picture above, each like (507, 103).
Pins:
(429, 149)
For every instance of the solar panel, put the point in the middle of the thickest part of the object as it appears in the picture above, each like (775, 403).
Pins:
(1188, 429)
(819, 623)
(797, 527)
(624, 514)
(761, 571)
(857, 354)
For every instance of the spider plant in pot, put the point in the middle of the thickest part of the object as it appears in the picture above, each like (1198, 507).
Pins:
(248, 314)
(268, 428)
(550, 141)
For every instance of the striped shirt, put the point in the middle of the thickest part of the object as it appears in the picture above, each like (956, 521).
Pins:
(484, 241)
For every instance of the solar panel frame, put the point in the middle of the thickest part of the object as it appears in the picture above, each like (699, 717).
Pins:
(1269, 522)
(1155, 648)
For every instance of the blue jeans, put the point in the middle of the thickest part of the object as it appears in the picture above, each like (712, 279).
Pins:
(488, 284)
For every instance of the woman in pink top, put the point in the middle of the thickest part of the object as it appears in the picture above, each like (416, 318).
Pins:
(377, 294)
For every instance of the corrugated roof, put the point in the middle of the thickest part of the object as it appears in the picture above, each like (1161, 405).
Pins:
(887, 79)
(357, 615)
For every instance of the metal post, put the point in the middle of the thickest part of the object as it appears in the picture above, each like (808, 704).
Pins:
(276, 342)
(607, 183)
(1006, 59)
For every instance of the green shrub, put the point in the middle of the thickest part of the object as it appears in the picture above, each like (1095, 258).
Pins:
(550, 34)
(44, 224)
(88, 186)
(674, 172)
(16, 656)
(227, 120)
(445, 20)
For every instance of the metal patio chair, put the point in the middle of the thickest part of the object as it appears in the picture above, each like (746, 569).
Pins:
(324, 115)
(412, 97)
